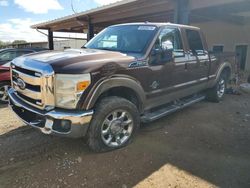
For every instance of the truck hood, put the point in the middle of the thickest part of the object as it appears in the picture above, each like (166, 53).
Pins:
(80, 61)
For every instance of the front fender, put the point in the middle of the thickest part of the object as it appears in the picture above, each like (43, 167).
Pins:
(109, 83)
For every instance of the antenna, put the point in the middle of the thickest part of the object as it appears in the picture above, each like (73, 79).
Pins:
(72, 7)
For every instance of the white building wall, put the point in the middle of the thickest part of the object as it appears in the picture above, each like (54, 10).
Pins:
(227, 34)
(58, 44)
(63, 44)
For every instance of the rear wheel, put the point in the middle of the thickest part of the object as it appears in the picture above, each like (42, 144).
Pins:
(4, 86)
(217, 93)
(114, 124)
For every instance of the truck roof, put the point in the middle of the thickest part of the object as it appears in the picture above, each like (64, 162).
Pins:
(160, 24)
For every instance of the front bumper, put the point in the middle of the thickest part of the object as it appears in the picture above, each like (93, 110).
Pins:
(68, 123)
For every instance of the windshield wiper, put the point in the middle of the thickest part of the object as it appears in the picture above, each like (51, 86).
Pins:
(108, 49)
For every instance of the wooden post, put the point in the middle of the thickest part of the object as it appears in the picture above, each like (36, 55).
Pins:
(182, 12)
(90, 30)
(50, 40)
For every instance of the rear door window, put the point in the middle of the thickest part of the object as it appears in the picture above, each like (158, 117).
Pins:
(195, 42)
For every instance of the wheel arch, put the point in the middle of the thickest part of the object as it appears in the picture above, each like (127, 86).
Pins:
(226, 68)
(118, 86)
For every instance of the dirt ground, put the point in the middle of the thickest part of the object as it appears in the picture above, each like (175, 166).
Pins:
(205, 145)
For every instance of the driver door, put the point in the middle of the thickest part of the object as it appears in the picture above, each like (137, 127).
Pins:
(167, 64)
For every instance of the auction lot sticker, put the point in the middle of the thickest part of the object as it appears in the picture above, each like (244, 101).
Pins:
(146, 28)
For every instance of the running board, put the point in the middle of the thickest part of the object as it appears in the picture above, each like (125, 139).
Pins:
(152, 116)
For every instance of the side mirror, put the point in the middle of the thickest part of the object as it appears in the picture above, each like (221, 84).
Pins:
(164, 51)
(156, 51)
(168, 49)
(167, 45)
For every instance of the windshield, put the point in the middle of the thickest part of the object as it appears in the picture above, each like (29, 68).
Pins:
(126, 38)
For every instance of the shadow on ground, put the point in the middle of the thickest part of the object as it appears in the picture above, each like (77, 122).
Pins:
(208, 141)
(3, 105)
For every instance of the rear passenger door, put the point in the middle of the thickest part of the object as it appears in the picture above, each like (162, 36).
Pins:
(198, 57)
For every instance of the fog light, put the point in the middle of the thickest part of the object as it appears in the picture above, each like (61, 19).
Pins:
(66, 124)
(62, 126)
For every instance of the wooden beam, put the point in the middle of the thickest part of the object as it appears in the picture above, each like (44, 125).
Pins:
(68, 25)
(134, 12)
(138, 6)
(90, 34)
(198, 4)
(50, 39)
(158, 17)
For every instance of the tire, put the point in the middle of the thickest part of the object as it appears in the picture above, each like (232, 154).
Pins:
(114, 124)
(217, 93)
(4, 86)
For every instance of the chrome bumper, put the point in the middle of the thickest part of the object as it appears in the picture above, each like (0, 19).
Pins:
(68, 123)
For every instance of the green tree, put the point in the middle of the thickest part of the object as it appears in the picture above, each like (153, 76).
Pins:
(19, 42)
(3, 44)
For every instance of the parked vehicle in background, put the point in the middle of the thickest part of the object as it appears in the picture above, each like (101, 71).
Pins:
(6, 56)
(126, 74)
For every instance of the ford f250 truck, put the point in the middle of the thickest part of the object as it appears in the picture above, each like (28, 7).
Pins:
(127, 74)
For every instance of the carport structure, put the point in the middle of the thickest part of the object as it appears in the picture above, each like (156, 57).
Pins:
(177, 11)
(201, 13)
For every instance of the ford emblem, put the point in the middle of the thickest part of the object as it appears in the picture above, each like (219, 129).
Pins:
(21, 84)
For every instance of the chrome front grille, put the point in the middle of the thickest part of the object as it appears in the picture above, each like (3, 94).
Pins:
(33, 82)
(32, 91)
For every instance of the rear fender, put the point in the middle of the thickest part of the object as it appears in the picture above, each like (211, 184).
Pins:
(224, 66)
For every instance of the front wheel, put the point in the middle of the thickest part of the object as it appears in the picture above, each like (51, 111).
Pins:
(4, 86)
(114, 124)
(217, 93)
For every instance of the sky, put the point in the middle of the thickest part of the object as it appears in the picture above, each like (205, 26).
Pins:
(16, 16)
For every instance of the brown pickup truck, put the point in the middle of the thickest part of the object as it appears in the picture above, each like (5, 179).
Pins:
(127, 74)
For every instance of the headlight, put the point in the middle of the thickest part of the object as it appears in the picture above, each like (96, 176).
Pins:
(69, 88)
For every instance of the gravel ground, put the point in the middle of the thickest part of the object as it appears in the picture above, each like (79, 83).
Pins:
(205, 145)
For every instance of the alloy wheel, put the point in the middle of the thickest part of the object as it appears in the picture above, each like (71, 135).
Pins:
(221, 88)
(117, 128)
(4, 93)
